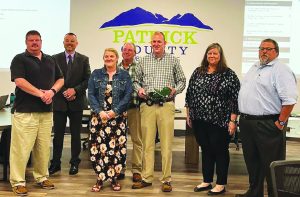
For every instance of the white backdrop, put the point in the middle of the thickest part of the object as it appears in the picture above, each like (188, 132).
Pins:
(225, 17)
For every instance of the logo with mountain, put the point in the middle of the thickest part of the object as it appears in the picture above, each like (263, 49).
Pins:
(139, 16)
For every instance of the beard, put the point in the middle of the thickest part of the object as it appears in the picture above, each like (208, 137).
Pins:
(264, 60)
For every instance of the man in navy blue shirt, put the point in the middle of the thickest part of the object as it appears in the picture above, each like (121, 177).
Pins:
(37, 77)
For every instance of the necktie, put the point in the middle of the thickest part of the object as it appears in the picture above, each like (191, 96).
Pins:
(69, 67)
(69, 61)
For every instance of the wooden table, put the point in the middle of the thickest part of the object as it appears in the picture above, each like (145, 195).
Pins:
(191, 146)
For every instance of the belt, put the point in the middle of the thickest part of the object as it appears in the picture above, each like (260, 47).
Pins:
(132, 106)
(159, 102)
(259, 117)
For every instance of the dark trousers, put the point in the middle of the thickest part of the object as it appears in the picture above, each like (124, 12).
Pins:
(60, 120)
(262, 143)
(214, 143)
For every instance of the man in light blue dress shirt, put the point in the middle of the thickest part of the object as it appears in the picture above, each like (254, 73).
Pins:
(266, 99)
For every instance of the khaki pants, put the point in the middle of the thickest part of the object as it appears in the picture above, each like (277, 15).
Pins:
(163, 118)
(134, 124)
(30, 132)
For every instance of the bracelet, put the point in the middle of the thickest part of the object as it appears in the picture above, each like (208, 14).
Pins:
(53, 90)
(234, 121)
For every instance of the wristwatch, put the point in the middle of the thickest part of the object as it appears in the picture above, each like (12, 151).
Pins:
(53, 90)
(281, 123)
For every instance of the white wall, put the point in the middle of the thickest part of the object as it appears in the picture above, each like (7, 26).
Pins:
(6, 86)
(224, 16)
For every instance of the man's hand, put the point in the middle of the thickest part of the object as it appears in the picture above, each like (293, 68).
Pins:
(142, 93)
(69, 94)
(47, 96)
(173, 91)
(280, 127)
(72, 98)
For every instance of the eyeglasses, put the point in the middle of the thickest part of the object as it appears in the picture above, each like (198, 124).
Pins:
(267, 49)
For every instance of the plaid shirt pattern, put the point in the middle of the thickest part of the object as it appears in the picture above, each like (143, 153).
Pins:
(157, 73)
(135, 102)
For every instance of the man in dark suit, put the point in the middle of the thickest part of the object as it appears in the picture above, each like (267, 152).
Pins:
(70, 102)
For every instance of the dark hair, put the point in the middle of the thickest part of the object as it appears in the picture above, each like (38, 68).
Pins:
(222, 65)
(32, 32)
(276, 47)
(71, 34)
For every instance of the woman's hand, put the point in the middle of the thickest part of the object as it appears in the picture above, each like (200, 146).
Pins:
(111, 114)
(188, 121)
(103, 115)
(232, 127)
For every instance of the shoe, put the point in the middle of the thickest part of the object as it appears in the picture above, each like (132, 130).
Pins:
(166, 187)
(157, 140)
(136, 177)
(247, 194)
(201, 189)
(54, 168)
(121, 176)
(211, 193)
(115, 186)
(97, 187)
(46, 184)
(73, 169)
(140, 185)
(20, 190)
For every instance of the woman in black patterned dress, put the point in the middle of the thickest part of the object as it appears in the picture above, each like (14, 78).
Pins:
(109, 92)
(212, 108)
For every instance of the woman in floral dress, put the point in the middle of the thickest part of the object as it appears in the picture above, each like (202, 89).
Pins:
(109, 92)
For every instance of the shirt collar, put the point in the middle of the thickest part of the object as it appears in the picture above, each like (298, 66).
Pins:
(121, 65)
(29, 54)
(159, 58)
(271, 63)
(72, 54)
(105, 72)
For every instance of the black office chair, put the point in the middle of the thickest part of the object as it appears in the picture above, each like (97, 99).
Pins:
(285, 178)
(85, 124)
(85, 128)
(4, 151)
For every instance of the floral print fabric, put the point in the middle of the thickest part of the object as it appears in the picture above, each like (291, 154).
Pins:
(108, 142)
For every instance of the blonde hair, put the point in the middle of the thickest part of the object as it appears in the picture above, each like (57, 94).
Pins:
(130, 43)
(159, 33)
(111, 50)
